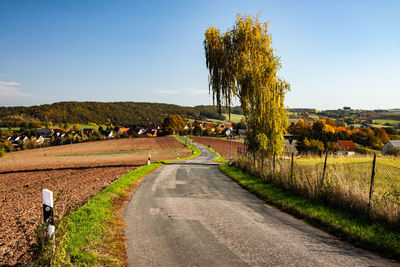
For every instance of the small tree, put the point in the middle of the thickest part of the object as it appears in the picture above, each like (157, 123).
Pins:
(76, 127)
(2, 151)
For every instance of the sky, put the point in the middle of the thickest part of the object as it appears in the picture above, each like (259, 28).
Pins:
(333, 53)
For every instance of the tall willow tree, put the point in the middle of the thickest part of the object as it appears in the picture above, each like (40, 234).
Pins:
(242, 64)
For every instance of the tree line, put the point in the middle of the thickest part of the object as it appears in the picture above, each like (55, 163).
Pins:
(127, 114)
(323, 135)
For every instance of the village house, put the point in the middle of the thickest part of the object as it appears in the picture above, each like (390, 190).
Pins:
(88, 131)
(46, 132)
(40, 140)
(391, 147)
(152, 130)
(123, 130)
(347, 147)
(139, 130)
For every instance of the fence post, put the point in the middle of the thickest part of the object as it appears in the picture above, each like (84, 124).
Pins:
(48, 214)
(291, 170)
(148, 161)
(372, 184)
(323, 172)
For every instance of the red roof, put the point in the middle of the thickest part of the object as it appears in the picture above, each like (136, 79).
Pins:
(347, 144)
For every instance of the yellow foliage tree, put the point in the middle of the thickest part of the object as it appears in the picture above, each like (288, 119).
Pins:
(241, 63)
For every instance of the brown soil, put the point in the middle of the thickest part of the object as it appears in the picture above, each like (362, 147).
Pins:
(221, 146)
(24, 174)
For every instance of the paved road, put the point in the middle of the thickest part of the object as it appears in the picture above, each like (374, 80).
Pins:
(190, 214)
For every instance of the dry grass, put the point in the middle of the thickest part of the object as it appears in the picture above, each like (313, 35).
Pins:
(346, 182)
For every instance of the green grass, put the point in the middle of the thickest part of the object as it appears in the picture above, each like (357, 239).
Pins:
(195, 151)
(383, 121)
(218, 157)
(96, 127)
(88, 224)
(234, 118)
(6, 129)
(389, 161)
(357, 229)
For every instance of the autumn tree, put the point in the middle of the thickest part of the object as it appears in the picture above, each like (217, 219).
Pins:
(242, 64)
(173, 124)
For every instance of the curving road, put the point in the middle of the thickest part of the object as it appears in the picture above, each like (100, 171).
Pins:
(190, 214)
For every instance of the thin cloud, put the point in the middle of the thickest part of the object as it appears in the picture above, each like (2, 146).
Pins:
(9, 83)
(9, 90)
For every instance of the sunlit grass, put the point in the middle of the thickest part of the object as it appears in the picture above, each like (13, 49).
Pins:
(356, 228)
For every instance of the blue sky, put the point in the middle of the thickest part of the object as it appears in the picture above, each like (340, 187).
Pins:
(334, 53)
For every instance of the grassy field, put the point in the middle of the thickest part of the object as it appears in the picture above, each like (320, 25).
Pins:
(347, 180)
(5, 129)
(235, 118)
(383, 122)
(96, 127)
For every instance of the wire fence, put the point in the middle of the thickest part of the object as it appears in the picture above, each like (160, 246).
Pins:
(358, 183)
(366, 184)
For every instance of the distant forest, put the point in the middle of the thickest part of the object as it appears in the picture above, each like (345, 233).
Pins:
(118, 113)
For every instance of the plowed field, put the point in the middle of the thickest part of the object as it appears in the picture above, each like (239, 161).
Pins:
(74, 172)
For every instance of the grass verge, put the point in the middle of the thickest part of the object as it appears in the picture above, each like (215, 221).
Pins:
(93, 234)
(359, 230)
(218, 157)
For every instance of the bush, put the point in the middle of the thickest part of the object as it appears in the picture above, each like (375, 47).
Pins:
(395, 152)
(2, 152)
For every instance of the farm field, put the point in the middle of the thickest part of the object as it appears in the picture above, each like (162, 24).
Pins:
(383, 122)
(6, 129)
(75, 177)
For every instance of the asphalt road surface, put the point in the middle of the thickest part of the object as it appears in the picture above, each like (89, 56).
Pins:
(190, 214)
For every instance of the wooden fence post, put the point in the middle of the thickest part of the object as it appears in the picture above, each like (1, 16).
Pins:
(323, 172)
(291, 170)
(371, 184)
(148, 161)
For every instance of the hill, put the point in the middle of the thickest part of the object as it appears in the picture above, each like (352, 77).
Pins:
(118, 113)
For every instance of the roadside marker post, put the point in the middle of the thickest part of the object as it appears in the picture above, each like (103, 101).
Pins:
(48, 213)
(148, 161)
(230, 137)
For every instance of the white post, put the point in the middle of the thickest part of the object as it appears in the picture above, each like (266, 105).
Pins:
(230, 158)
(48, 213)
(178, 156)
(148, 161)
